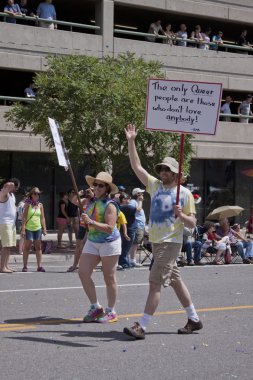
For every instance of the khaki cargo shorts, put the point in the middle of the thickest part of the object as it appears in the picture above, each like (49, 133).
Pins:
(8, 235)
(164, 270)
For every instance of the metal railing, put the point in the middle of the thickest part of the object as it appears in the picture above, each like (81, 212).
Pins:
(36, 19)
(191, 42)
(71, 25)
(7, 99)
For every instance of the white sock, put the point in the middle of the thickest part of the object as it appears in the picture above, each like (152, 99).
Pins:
(144, 321)
(110, 309)
(132, 261)
(191, 313)
(96, 305)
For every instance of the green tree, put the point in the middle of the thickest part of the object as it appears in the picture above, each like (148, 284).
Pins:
(93, 100)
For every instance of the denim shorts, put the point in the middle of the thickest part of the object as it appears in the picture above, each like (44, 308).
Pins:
(33, 235)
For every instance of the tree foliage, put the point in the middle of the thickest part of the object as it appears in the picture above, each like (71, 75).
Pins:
(93, 100)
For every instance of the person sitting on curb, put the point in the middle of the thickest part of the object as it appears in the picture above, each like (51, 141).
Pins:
(211, 239)
(225, 230)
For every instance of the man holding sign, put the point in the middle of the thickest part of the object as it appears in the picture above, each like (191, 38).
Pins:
(166, 233)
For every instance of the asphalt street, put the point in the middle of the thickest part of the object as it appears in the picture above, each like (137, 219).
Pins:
(42, 335)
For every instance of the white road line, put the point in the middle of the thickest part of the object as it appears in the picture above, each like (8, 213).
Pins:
(66, 288)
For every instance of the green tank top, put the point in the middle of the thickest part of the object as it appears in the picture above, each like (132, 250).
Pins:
(33, 219)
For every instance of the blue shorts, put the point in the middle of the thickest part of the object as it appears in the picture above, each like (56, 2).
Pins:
(33, 235)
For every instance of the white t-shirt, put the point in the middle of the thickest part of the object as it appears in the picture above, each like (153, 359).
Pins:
(163, 225)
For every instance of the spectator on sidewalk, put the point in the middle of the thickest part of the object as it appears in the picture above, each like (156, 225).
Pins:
(245, 109)
(129, 211)
(224, 229)
(73, 215)
(12, 10)
(20, 210)
(62, 218)
(190, 245)
(122, 189)
(46, 10)
(140, 220)
(33, 226)
(7, 222)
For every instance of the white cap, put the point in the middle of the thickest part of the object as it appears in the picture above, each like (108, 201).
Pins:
(136, 191)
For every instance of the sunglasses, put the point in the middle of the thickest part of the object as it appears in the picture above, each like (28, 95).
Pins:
(36, 194)
(164, 169)
(100, 185)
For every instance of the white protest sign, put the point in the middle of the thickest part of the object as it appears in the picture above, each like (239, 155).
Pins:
(183, 106)
(57, 143)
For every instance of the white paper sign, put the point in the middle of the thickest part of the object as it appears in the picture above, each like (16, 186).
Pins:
(57, 142)
(183, 106)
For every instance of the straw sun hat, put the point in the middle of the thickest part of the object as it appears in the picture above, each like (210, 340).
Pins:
(103, 177)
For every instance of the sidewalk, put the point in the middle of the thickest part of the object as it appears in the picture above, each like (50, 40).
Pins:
(55, 255)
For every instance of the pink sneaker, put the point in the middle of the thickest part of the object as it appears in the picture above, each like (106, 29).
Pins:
(108, 316)
(93, 314)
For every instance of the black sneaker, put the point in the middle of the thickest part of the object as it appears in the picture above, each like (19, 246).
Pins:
(247, 261)
(198, 262)
(136, 331)
(190, 327)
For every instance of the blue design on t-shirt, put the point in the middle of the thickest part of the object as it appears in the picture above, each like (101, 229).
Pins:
(162, 207)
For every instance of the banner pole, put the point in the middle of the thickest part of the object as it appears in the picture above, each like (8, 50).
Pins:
(69, 168)
(181, 158)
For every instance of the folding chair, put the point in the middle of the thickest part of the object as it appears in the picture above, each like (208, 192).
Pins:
(212, 252)
(145, 249)
(235, 254)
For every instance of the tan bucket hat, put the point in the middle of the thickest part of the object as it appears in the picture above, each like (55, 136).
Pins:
(103, 177)
(170, 162)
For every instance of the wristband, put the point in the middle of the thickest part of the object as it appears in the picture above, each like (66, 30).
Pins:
(92, 222)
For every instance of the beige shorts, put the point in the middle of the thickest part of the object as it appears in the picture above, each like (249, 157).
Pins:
(164, 269)
(8, 235)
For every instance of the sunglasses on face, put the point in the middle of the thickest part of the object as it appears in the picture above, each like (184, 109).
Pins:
(164, 169)
(36, 194)
(100, 185)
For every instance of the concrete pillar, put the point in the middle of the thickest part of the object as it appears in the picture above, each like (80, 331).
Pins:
(105, 19)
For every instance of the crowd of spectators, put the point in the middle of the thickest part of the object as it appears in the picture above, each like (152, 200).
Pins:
(215, 239)
(45, 11)
(243, 109)
(197, 38)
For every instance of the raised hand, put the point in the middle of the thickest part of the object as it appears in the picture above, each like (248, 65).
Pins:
(131, 132)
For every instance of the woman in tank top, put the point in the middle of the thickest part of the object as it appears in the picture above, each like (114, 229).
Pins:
(103, 244)
(33, 226)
